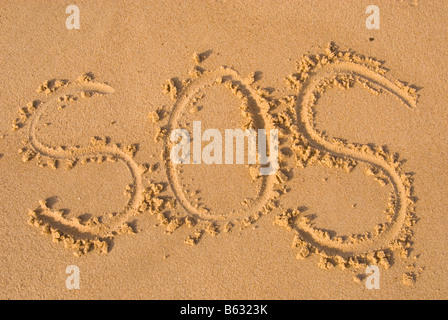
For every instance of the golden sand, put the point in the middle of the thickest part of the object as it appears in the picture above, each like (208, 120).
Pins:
(228, 231)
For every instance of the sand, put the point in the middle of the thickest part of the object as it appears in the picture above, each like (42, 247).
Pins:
(87, 179)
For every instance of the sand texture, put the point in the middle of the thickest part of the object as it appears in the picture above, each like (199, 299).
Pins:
(87, 177)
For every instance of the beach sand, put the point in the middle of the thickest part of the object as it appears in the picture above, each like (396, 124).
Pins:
(87, 179)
